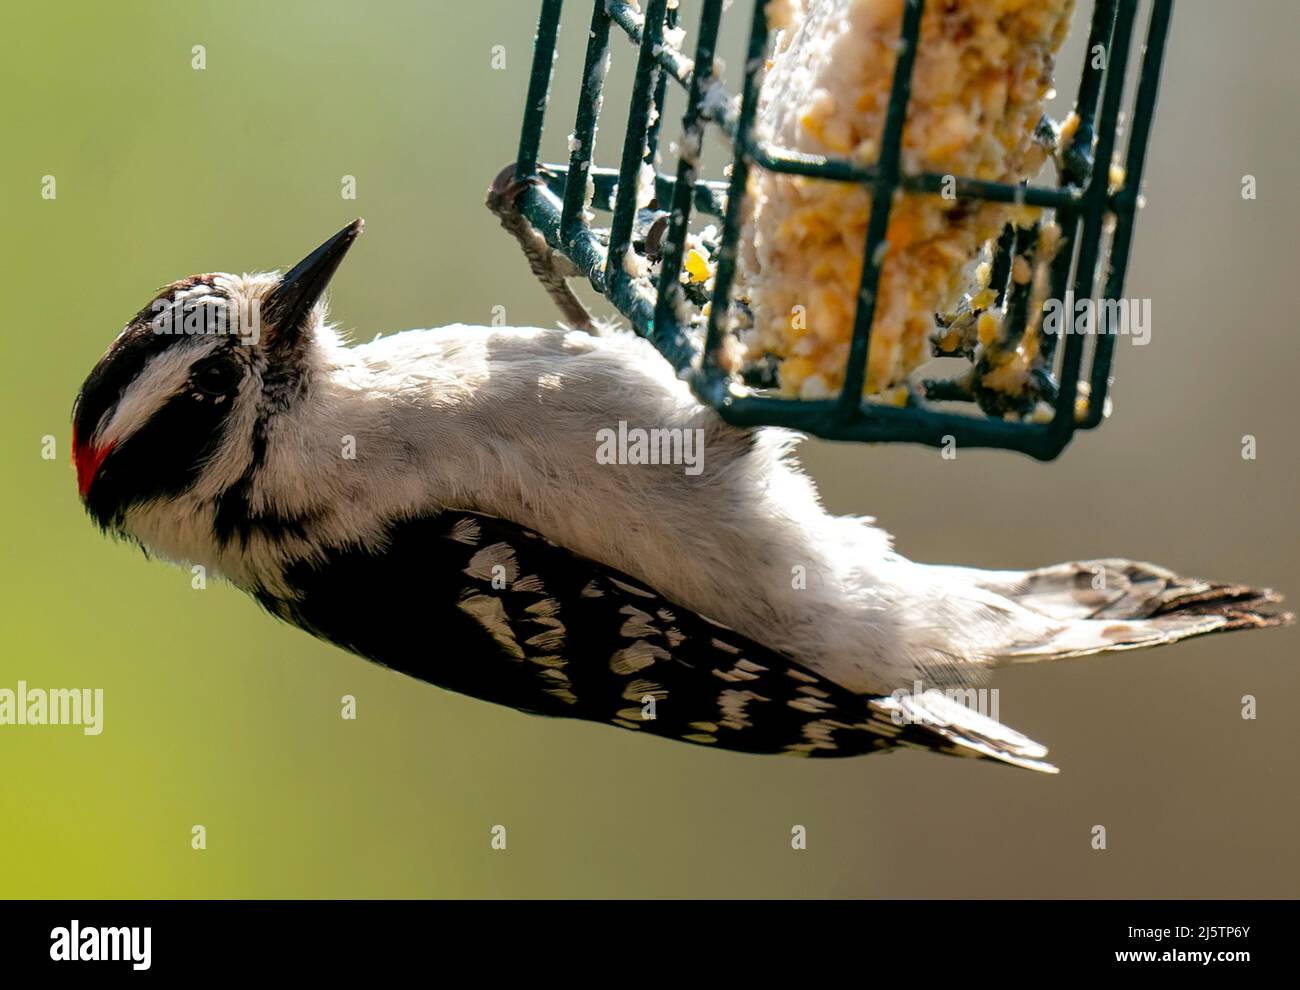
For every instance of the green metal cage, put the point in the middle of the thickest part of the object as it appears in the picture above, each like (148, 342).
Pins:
(1085, 205)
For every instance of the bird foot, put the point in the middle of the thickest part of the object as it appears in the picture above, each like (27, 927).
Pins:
(548, 267)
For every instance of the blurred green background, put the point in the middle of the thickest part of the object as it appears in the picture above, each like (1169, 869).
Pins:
(217, 715)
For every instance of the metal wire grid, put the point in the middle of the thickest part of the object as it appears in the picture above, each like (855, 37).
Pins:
(1080, 203)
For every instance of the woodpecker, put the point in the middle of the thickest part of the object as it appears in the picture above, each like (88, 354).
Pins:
(433, 502)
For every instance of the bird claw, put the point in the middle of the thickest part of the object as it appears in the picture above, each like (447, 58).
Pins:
(506, 188)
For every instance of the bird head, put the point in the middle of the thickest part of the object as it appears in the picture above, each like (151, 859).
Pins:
(183, 396)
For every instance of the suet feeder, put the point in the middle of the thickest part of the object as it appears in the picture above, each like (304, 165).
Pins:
(1094, 213)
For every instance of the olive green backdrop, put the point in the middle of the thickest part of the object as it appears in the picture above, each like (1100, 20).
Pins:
(217, 715)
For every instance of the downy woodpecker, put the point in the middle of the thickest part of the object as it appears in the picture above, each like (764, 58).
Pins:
(434, 502)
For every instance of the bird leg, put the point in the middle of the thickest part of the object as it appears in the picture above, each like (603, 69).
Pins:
(548, 267)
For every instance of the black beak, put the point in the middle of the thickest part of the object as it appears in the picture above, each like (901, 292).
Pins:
(290, 303)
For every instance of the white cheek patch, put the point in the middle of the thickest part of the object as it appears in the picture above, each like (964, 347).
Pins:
(161, 378)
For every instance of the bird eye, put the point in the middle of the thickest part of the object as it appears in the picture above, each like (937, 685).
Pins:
(218, 378)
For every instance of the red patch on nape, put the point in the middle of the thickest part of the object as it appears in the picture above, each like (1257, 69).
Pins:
(87, 458)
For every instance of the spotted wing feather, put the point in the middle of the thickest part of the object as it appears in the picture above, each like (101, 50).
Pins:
(480, 605)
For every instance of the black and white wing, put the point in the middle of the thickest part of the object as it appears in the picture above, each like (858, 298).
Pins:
(485, 607)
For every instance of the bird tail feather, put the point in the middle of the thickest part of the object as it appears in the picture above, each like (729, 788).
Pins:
(949, 726)
(1091, 606)
(1110, 605)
